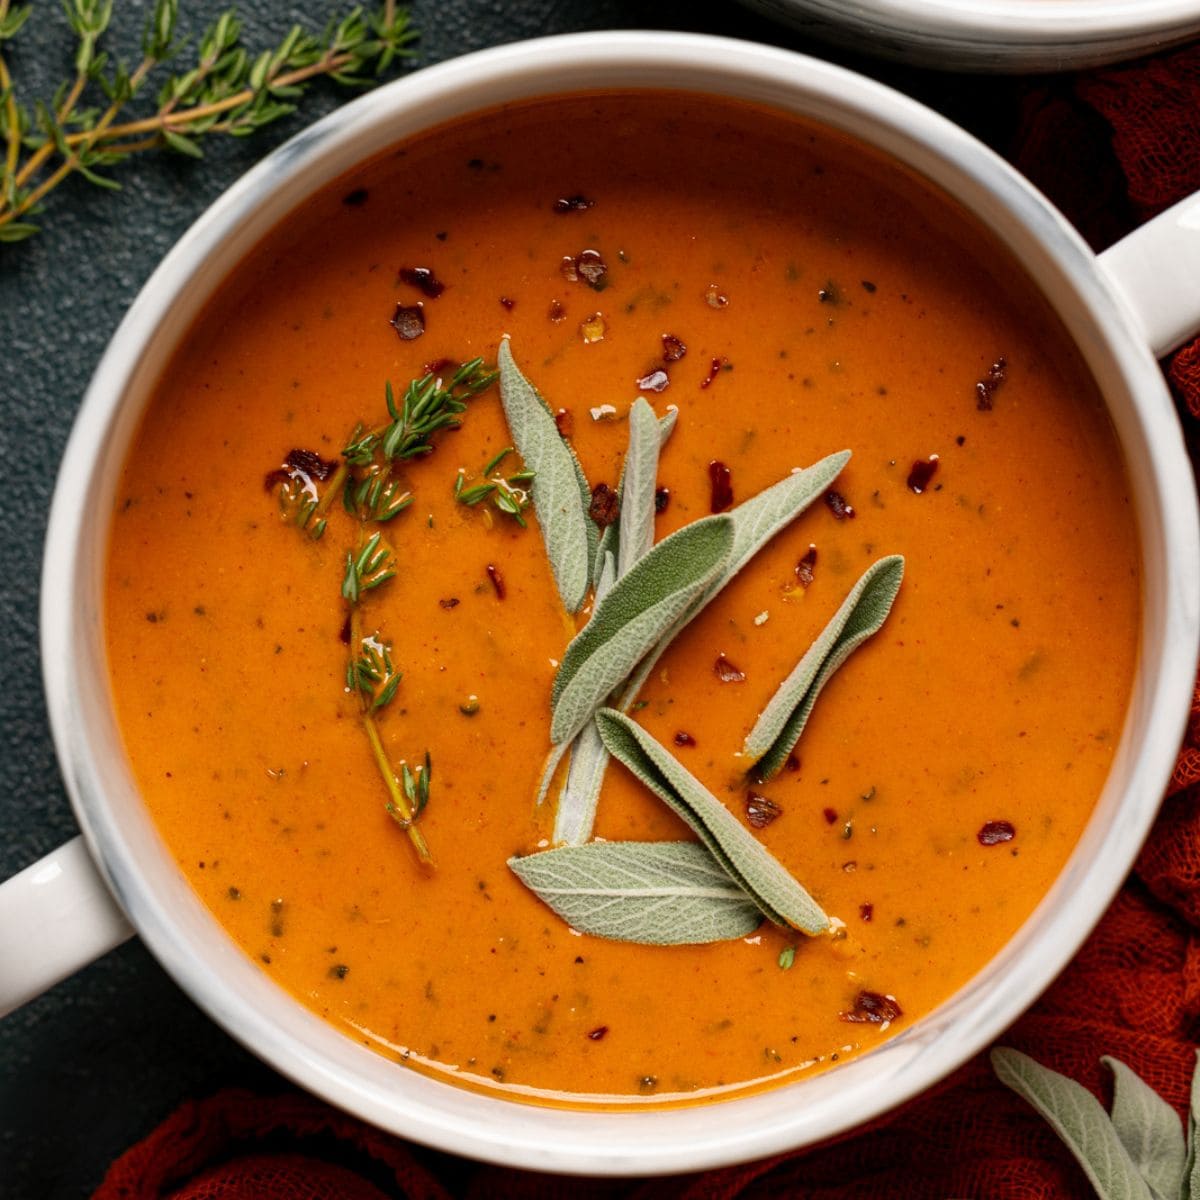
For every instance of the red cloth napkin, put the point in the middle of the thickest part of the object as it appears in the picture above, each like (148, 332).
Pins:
(1133, 991)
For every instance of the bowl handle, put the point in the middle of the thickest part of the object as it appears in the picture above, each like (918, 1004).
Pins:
(55, 917)
(1157, 270)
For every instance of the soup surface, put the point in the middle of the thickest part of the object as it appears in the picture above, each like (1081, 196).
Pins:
(792, 296)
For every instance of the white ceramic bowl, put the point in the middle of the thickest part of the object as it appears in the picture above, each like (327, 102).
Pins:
(1101, 304)
(995, 35)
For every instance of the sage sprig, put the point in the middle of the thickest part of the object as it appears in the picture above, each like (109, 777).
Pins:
(744, 858)
(1140, 1152)
(755, 522)
(657, 893)
(632, 617)
(860, 615)
(561, 495)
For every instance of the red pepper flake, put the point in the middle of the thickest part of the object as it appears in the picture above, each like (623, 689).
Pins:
(986, 388)
(449, 602)
(409, 321)
(837, 505)
(713, 371)
(424, 279)
(662, 498)
(439, 366)
(605, 507)
(829, 294)
(804, 568)
(868, 286)
(995, 833)
(672, 348)
(830, 815)
(497, 581)
(654, 381)
(593, 270)
(792, 764)
(866, 912)
(761, 811)
(923, 470)
(306, 463)
(727, 672)
(598, 1033)
(565, 422)
(683, 738)
(344, 632)
(356, 198)
(721, 479)
(870, 1008)
(507, 303)
(570, 204)
(556, 312)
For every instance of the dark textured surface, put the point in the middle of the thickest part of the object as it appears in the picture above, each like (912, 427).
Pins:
(91, 1067)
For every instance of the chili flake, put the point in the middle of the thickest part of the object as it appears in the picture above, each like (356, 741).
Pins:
(672, 348)
(923, 470)
(721, 479)
(654, 381)
(727, 672)
(804, 568)
(424, 279)
(760, 810)
(497, 581)
(838, 505)
(605, 506)
(995, 833)
(409, 321)
(870, 1008)
(986, 388)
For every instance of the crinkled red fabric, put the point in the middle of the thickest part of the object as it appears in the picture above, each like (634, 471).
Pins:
(1122, 143)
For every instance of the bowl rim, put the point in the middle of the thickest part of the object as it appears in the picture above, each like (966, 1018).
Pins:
(227, 984)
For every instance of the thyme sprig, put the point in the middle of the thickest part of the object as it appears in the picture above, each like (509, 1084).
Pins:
(508, 493)
(225, 90)
(372, 494)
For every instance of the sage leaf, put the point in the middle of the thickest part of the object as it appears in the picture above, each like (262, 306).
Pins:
(861, 614)
(656, 893)
(638, 478)
(560, 491)
(1149, 1129)
(1079, 1120)
(1190, 1189)
(630, 619)
(755, 522)
(749, 863)
(611, 534)
(575, 815)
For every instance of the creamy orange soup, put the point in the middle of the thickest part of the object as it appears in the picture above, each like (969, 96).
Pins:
(825, 300)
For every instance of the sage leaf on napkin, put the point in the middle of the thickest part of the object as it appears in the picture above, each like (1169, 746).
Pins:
(1149, 1129)
(561, 495)
(1080, 1122)
(861, 614)
(657, 893)
(748, 862)
(755, 522)
(630, 619)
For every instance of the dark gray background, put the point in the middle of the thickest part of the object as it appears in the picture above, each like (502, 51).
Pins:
(90, 1068)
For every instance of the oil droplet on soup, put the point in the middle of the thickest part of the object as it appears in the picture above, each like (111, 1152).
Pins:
(791, 295)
